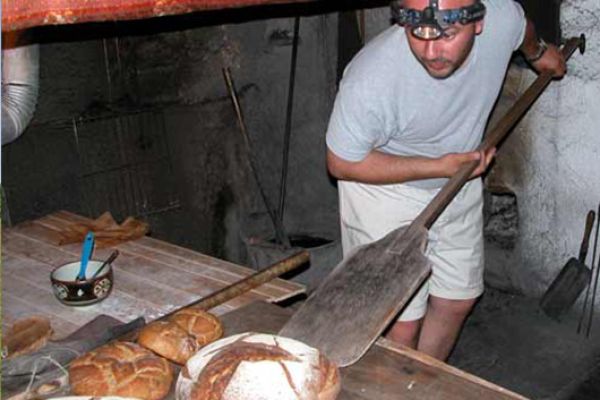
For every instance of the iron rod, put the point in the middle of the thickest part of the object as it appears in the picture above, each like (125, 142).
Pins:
(288, 123)
(587, 290)
(597, 269)
(280, 235)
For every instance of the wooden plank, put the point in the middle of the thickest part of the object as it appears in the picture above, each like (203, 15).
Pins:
(151, 277)
(218, 277)
(214, 262)
(52, 223)
(139, 277)
(66, 217)
(384, 372)
(13, 308)
(434, 362)
(132, 258)
(120, 304)
(36, 250)
(42, 299)
(130, 297)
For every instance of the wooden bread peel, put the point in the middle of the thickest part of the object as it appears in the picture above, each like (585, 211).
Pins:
(362, 295)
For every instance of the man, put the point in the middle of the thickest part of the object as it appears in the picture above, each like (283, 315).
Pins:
(411, 109)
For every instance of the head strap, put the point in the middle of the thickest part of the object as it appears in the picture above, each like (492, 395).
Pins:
(431, 22)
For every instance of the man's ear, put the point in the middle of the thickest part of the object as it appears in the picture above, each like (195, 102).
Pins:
(479, 27)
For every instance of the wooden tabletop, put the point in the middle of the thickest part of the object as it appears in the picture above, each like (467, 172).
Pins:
(152, 277)
(386, 372)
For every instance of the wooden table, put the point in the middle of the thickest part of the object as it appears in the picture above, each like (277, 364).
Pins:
(152, 277)
(386, 372)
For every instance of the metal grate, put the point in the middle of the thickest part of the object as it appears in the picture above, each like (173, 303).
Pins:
(125, 165)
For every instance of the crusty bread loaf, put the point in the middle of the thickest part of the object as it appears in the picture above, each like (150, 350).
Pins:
(121, 369)
(251, 365)
(182, 335)
(168, 340)
(26, 335)
(203, 326)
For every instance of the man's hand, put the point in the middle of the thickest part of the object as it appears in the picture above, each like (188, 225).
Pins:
(552, 61)
(452, 162)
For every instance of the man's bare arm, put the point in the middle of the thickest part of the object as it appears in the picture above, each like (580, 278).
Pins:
(382, 168)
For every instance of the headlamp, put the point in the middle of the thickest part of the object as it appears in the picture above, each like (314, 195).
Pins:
(431, 22)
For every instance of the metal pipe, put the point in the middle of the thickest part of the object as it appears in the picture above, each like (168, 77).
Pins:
(20, 84)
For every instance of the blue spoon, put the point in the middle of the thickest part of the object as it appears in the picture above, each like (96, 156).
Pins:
(86, 252)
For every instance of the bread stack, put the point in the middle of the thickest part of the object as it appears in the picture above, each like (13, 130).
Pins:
(242, 367)
(182, 335)
(258, 366)
(121, 369)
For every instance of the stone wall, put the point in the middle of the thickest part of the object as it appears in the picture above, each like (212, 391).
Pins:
(173, 67)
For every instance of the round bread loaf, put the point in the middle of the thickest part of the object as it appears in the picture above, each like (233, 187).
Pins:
(258, 366)
(182, 335)
(121, 369)
(168, 340)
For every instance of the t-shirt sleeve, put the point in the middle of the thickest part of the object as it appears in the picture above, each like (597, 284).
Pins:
(516, 22)
(354, 126)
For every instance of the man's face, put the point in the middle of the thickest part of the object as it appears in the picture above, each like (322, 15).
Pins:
(443, 56)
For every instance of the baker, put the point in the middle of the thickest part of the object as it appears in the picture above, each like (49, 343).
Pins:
(411, 108)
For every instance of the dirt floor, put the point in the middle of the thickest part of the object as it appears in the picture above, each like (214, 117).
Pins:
(508, 340)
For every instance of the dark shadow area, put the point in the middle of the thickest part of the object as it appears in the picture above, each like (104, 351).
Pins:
(509, 341)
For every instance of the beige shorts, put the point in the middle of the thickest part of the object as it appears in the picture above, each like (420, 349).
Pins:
(455, 246)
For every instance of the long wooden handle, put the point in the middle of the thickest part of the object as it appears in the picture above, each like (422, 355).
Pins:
(585, 243)
(253, 281)
(245, 285)
(238, 288)
(439, 203)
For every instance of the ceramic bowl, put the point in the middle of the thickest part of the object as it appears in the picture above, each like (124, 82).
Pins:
(71, 292)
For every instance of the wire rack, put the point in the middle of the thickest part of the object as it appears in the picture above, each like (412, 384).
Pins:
(125, 164)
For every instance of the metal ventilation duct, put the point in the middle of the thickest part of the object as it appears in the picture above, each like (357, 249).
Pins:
(20, 83)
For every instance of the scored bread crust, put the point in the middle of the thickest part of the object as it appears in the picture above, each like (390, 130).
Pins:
(204, 326)
(168, 340)
(245, 365)
(181, 335)
(330, 382)
(214, 378)
(121, 369)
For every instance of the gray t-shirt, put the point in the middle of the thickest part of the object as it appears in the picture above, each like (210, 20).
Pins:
(388, 102)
